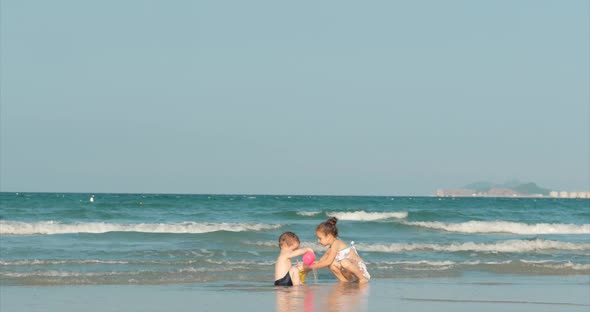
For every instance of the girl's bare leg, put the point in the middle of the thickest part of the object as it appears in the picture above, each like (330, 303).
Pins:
(349, 276)
(352, 267)
(337, 270)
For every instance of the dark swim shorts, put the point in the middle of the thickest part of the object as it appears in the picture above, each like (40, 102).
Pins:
(285, 281)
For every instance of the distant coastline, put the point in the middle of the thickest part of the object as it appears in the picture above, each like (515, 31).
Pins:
(509, 189)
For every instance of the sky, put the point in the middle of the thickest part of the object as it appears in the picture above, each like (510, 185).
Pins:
(293, 97)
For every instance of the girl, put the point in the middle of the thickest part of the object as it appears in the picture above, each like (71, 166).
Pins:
(343, 260)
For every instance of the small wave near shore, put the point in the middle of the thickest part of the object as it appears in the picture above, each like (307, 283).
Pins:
(53, 227)
(506, 246)
(359, 215)
(474, 227)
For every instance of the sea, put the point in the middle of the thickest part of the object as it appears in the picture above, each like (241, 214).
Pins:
(51, 239)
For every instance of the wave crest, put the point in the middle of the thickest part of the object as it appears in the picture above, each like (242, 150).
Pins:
(308, 213)
(512, 246)
(517, 266)
(367, 216)
(52, 227)
(505, 227)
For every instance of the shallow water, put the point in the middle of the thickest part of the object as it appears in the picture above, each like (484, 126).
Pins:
(64, 239)
(481, 292)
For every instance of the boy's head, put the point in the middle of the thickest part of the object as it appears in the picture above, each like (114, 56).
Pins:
(288, 240)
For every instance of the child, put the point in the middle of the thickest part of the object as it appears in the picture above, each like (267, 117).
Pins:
(343, 261)
(285, 273)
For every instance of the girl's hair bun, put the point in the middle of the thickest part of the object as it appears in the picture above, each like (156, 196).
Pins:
(329, 227)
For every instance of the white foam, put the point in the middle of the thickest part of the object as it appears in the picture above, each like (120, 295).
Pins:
(308, 213)
(568, 265)
(367, 216)
(52, 227)
(421, 265)
(536, 261)
(505, 227)
(441, 263)
(419, 262)
(513, 246)
(210, 269)
(59, 262)
(54, 273)
(415, 265)
(242, 262)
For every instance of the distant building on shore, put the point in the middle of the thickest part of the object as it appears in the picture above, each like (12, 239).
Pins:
(506, 192)
(455, 193)
(566, 194)
(508, 189)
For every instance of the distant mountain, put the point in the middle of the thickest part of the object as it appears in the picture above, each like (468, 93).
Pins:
(480, 187)
(528, 188)
(511, 183)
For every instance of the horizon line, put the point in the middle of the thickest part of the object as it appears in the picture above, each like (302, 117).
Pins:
(284, 195)
(205, 194)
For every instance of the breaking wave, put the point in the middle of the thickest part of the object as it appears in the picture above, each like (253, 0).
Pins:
(52, 227)
(367, 216)
(505, 227)
(508, 246)
(516, 266)
(308, 213)
(512, 246)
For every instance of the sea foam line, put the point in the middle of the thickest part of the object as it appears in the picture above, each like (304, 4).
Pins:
(308, 213)
(53, 227)
(512, 246)
(505, 227)
(51, 262)
(549, 264)
(56, 273)
(61, 262)
(367, 216)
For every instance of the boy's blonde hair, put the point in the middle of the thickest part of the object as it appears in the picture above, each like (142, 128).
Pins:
(288, 238)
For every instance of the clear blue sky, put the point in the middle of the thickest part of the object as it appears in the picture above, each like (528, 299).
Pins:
(293, 97)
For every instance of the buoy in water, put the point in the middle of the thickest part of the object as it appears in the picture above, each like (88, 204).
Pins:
(91, 199)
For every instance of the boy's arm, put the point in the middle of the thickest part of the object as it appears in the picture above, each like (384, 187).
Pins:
(298, 252)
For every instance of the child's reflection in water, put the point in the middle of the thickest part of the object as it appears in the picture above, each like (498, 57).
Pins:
(337, 297)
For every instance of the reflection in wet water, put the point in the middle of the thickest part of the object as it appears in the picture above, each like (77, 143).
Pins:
(334, 297)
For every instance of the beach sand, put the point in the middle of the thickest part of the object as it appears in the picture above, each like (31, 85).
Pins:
(467, 293)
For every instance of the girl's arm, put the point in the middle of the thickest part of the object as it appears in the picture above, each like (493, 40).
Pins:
(326, 259)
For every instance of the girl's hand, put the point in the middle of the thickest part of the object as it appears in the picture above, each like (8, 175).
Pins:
(306, 267)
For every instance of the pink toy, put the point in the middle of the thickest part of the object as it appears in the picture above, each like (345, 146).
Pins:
(308, 258)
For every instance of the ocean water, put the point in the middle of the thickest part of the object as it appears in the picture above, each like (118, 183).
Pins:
(122, 239)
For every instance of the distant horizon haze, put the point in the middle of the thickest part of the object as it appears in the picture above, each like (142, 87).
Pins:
(433, 194)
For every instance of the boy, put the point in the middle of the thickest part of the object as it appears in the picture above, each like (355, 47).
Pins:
(285, 273)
